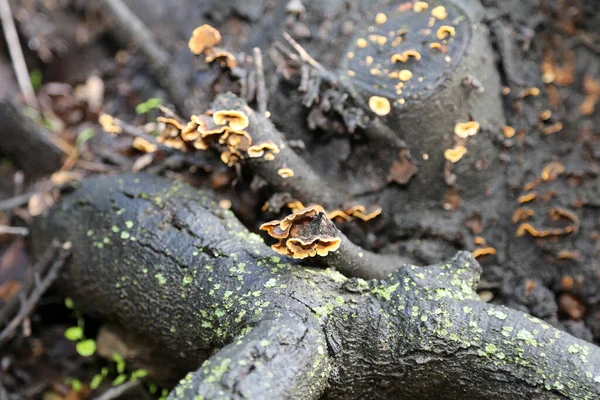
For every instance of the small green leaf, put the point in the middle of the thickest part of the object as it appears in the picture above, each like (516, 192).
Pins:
(35, 76)
(138, 373)
(152, 388)
(148, 105)
(120, 362)
(85, 135)
(69, 303)
(86, 348)
(119, 380)
(75, 384)
(74, 333)
(96, 381)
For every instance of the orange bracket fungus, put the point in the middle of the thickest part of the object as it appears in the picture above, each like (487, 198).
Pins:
(268, 149)
(305, 233)
(224, 58)
(309, 232)
(203, 38)
(236, 120)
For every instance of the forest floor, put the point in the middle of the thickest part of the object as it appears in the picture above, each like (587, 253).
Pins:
(80, 70)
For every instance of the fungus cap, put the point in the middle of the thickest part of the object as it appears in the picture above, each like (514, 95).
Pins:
(224, 58)
(380, 105)
(109, 124)
(444, 31)
(465, 129)
(204, 37)
(259, 149)
(285, 173)
(143, 145)
(237, 120)
(455, 154)
(305, 233)
(439, 12)
(508, 131)
(420, 6)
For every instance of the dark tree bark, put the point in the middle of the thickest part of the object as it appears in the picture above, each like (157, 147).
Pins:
(27, 143)
(163, 260)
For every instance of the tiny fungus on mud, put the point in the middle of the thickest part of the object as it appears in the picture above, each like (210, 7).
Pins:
(532, 91)
(465, 129)
(439, 12)
(405, 55)
(484, 251)
(521, 214)
(455, 154)
(380, 18)
(285, 173)
(380, 105)
(545, 115)
(305, 233)
(203, 38)
(526, 198)
(143, 145)
(109, 125)
(555, 128)
(405, 75)
(552, 171)
(420, 6)
(444, 31)
(508, 131)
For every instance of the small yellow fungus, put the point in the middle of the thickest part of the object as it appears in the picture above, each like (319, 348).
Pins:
(380, 105)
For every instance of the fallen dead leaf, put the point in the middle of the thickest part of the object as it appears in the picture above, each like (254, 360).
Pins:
(402, 170)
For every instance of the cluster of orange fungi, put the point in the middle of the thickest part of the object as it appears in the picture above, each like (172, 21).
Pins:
(353, 211)
(305, 233)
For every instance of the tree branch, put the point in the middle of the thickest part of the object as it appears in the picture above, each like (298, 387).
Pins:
(280, 358)
(165, 261)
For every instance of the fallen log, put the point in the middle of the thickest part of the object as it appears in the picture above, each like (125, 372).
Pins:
(163, 260)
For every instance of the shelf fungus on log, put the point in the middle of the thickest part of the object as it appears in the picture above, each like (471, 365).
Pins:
(305, 233)
(309, 231)
(418, 70)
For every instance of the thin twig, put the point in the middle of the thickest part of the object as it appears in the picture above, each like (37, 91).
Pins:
(262, 96)
(16, 201)
(14, 230)
(327, 75)
(38, 291)
(16, 54)
(158, 59)
(134, 131)
(119, 391)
